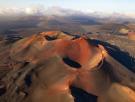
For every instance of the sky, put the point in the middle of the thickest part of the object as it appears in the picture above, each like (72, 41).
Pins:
(115, 6)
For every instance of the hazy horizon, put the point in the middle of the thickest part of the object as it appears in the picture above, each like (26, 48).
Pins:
(31, 16)
(104, 6)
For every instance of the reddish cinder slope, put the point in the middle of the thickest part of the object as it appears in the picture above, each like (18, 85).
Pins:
(60, 60)
(44, 66)
(38, 48)
(131, 35)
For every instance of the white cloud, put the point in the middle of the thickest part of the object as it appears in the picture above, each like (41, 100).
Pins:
(40, 10)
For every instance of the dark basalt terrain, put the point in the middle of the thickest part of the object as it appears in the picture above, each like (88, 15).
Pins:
(60, 67)
(119, 47)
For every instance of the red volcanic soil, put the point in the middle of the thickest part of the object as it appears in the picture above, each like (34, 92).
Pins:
(43, 67)
(131, 35)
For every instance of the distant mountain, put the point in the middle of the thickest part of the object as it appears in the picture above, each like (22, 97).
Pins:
(37, 19)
